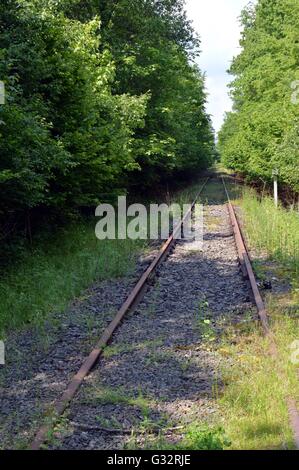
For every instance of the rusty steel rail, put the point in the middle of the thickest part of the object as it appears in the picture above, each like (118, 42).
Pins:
(262, 312)
(132, 301)
(246, 265)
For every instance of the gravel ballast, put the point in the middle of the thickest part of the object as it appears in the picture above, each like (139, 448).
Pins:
(158, 374)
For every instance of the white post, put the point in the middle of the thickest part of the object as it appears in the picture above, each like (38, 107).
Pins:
(2, 353)
(276, 191)
(2, 92)
(275, 178)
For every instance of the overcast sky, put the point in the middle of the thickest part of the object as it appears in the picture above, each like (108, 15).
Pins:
(217, 23)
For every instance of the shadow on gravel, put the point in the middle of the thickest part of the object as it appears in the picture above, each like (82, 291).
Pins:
(161, 371)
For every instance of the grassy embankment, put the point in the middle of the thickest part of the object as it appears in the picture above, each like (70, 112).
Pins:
(255, 413)
(57, 268)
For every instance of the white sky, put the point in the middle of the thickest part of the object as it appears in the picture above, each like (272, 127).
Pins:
(218, 25)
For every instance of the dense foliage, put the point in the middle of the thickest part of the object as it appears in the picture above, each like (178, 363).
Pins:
(262, 131)
(100, 94)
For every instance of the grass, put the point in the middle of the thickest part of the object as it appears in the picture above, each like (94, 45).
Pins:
(196, 437)
(114, 350)
(257, 384)
(199, 437)
(54, 272)
(58, 268)
(212, 222)
(275, 230)
(204, 324)
(120, 396)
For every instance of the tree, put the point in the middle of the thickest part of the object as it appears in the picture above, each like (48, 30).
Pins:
(262, 131)
(99, 94)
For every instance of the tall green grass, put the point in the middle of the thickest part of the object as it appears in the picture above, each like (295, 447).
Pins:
(271, 229)
(58, 267)
(55, 271)
(256, 383)
(256, 386)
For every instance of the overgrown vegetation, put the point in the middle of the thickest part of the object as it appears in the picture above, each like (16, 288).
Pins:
(101, 97)
(57, 270)
(256, 383)
(262, 131)
(256, 386)
(274, 230)
(196, 437)
(60, 265)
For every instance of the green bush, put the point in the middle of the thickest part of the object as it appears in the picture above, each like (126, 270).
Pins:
(262, 131)
(98, 90)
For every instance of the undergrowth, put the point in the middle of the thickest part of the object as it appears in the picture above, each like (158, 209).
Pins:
(274, 230)
(54, 272)
(256, 383)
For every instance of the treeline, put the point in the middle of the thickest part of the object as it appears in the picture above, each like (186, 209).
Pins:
(101, 95)
(262, 132)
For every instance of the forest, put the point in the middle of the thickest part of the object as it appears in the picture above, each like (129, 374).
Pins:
(261, 134)
(101, 97)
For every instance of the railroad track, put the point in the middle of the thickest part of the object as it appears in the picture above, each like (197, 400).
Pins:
(134, 299)
(131, 302)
